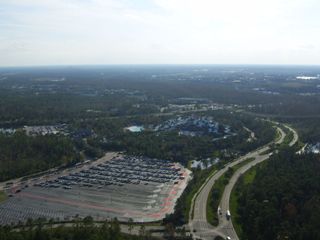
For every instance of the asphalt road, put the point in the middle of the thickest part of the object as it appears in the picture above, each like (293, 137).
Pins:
(199, 225)
(295, 136)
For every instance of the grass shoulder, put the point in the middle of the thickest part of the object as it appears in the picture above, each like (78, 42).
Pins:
(277, 136)
(199, 178)
(3, 196)
(288, 138)
(184, 203)
(217, 190)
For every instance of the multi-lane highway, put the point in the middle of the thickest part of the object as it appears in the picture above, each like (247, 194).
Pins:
(199, 225)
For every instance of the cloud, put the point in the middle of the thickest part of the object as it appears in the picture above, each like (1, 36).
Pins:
(158, 31)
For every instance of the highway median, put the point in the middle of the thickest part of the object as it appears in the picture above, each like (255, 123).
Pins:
(217, 190)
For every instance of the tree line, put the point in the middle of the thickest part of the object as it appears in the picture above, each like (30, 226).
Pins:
(85, 229)
(21, 155)
(283, 201)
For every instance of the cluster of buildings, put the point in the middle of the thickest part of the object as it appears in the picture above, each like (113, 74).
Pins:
(7, 131)
(192, 107)
(46, 130)
(191, 126)
(265, 91)
(204, 163)
(308, 77)
(310, 148)
(62, 129)
(315, 148)
(194, 126)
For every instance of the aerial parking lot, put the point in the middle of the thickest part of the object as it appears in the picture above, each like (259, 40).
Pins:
(116, 185)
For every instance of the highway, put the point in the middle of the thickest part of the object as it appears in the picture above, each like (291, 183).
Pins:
(198, 225)
(295, 136)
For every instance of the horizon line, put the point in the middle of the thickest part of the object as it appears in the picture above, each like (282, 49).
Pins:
(160, 64)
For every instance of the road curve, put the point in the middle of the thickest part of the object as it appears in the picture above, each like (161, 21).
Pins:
(295, 136)
(226, 227)
(199, 225)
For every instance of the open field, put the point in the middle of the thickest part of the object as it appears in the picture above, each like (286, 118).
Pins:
(3, 196)
(119, 186)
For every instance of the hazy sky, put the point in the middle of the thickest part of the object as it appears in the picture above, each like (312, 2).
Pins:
(44, 32)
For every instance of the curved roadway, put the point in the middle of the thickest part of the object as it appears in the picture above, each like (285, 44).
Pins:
(199, 225)
(295, 136)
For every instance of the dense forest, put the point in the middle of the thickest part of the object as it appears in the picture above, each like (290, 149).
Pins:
(61, 94)
(283, 200)
(21, 155)
(309, 129)
(81, 230)
(171, 146)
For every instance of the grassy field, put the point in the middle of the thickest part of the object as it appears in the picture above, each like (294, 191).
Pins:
(278, 136)
(233, 209)
(214, 199)
(3, 196)
(288, 138)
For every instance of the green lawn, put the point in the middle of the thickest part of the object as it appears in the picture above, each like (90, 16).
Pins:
(288, 138)
(3, 196)
(278, 135)
(249, 176)
(214, 199)
(233, 209)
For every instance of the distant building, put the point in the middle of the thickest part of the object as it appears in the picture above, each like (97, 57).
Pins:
(45, 130)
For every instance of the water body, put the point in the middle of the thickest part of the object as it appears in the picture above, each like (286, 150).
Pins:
(135, 128)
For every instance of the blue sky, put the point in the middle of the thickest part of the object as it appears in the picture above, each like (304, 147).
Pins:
(46, 32)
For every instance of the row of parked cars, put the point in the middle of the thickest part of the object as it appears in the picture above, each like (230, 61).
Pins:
(119, 171)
